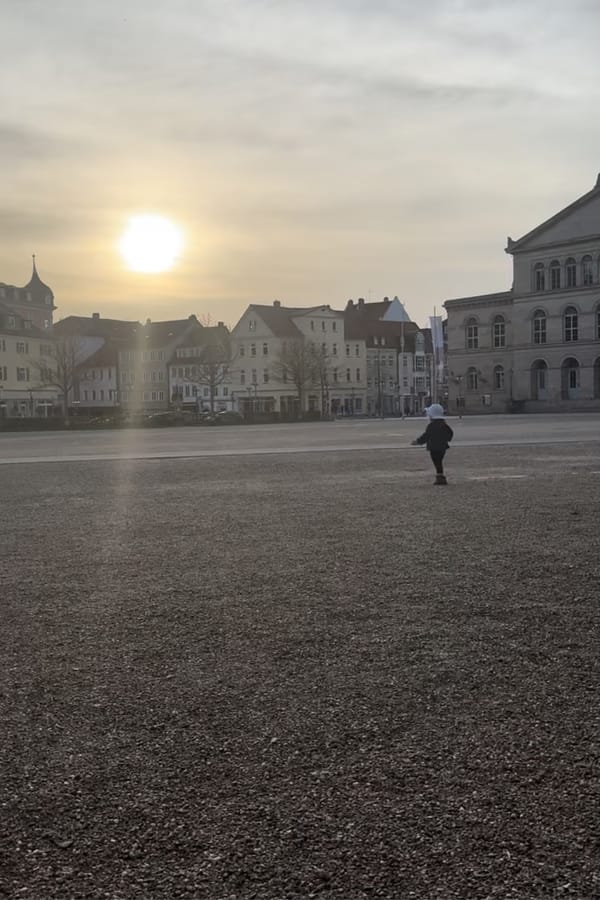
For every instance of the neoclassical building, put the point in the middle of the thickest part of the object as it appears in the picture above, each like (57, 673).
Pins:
(535, 347)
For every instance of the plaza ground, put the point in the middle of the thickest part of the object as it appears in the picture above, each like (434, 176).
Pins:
(278, 674)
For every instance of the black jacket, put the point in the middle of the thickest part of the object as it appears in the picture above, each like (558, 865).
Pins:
(437, 435)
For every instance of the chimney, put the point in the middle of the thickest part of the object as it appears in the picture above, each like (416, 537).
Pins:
(95, 315)
(350, 304)
(276, 304)
(361, 301)
(219, 325)
(148, 321)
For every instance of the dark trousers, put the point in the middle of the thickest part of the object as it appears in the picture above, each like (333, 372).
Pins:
(437, 458)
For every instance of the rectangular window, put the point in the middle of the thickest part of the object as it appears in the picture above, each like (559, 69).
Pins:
(3, 345)
(266, 376)
(348, 375)
(357, 350)
(21, 374)
(499, 335)
(358, 374)
(252, 349)
(539, 330)
(85, 395)
(22, 347)
(206, 392)
(254, 379)
(265, 349)
(334, 350)
(571, 327)
(93, 395)
(472, 337)
(334, 325)
(312, 325)
(419, 363)
(322, 326)
(347, 349)
(226, 392)
(251, 324)
(242, 377)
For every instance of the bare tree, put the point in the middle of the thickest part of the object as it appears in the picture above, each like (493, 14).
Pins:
(211, 366)
(298, 362)
(59, 367)
(323, 370)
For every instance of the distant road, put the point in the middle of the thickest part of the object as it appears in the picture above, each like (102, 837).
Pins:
(344, 434)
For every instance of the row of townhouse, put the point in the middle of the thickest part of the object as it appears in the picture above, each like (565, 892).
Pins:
(535, 347)
(368, 359)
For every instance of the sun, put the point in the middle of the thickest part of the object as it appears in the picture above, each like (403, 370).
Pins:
(150, 244)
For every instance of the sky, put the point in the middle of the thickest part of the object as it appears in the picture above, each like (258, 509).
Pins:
(312, 151)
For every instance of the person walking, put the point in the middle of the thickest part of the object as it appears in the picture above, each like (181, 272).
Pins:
(436, 437)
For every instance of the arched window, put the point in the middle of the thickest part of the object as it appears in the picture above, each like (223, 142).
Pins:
(571, 272)
(472, 334)
(597, 379)
(539, 277)
(498, 378)
(539, 327)
(569, 378)
(587, 273)
(499, 332)
(555, 275)
(472, 380)
(571, 324)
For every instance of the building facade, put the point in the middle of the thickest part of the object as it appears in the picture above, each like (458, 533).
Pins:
(535, 347)
(145, 361)
(22, 348)
(400, 362)
(267, 336)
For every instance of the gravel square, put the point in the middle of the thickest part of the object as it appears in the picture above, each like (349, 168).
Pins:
(302, 675)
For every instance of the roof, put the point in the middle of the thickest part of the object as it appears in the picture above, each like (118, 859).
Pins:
(364, 321)
(20, 330)
(498, 297)
(108, 355)
(37, 288)
(161, 334)
(515, 246)
(279, 319)
(94, 326)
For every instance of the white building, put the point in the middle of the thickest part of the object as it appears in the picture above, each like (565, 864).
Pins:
(262, 338)
(535, 347)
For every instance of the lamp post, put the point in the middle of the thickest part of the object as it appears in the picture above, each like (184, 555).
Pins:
(459, 400)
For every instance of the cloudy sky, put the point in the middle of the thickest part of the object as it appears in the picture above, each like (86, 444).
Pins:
(311, 150)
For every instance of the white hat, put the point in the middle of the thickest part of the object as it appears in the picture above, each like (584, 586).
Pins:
(435, 411)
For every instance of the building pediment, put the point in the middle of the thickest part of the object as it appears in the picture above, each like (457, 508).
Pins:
(575, 222)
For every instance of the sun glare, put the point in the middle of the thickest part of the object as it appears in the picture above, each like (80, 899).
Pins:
(150, 244)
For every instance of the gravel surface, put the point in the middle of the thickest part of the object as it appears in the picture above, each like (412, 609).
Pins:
(299, 676)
